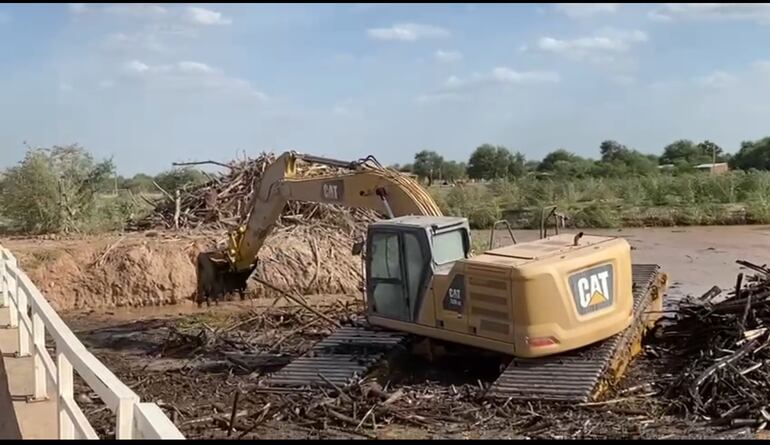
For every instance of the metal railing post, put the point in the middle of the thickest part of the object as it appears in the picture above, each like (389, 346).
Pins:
(38, 338)
(21, 299)
(65, 389)
(3, 282)
(13, 314)
(124, 424)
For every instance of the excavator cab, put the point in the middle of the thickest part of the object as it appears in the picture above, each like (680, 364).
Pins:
(402, 256)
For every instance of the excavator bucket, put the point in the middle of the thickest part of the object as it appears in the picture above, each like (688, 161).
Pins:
(216, 279)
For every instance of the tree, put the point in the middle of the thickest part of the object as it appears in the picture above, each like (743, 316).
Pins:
(139, 183)
(53, 190)
(453, 170)
(712, 150)
(619, 160)
(612, 150)
(180, 178)
(495, 162)
(427, 164)
(531, 166)
(565, 164)
(691, 153)
(517, 165)
(752, 155)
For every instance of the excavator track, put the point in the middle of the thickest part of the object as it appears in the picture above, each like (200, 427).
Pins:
(578, 376)
(583, 375)
(347, 353)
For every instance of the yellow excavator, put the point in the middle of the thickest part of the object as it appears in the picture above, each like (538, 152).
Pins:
(568, 311)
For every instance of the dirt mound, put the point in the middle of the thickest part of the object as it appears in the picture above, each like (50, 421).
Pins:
(110, 272)
(137, 270)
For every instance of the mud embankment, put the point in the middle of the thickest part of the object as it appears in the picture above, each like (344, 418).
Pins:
(140, 270)
(137, 270)
(114, 271)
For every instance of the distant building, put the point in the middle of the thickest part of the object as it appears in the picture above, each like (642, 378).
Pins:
(719, 167)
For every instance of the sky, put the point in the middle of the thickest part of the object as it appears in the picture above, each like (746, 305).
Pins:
(152, 84)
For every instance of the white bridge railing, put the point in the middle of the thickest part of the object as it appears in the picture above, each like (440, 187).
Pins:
(33, 316)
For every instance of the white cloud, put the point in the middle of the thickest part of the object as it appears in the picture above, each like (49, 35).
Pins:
(203, 16)
(194, 67)
(341, 110)
(408, 32)
(455, 87)
(136, 10)
(717, 79)
(129, 42)
(64, 86)
(605, 41)
(585, 10)
(137, 66)
(448, 56)
(190, 75)
(78, 8)
(104, 84)
(507, 75)
(762, 65)
(757, 12)
(193, 15)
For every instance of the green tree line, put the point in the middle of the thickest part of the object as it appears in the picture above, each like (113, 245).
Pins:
(490, 162)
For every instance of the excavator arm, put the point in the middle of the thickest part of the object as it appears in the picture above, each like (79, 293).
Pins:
(366, 185)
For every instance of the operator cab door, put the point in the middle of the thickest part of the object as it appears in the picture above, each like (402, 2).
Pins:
(451, 305)
(398, 266)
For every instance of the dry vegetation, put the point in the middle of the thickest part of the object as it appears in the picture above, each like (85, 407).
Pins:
(655, 200)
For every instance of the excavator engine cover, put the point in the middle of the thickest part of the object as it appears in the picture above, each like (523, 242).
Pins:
(216, 278)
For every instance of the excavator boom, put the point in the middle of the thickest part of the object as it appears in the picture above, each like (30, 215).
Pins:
(366, 185)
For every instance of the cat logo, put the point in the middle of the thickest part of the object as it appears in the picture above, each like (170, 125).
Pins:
(332, 190)
(593, 289)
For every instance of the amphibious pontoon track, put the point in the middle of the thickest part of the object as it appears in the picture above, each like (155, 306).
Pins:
(346, 353)
(581, 375)
(576, 376)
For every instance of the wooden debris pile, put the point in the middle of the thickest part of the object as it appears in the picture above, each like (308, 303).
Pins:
(257, 341)
(363, 407)
(222, 202)
(720, 350)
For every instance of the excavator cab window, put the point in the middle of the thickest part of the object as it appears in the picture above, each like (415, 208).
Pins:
(398, 264)
(449, 247)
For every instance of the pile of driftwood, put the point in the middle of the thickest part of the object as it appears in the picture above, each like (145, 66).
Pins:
(222, 202)
(721, 345)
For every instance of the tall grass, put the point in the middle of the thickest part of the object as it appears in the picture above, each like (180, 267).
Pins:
(693, 199)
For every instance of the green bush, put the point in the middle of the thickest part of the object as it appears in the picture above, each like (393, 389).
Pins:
(475, 203)
(605, 202)
(55, 190)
